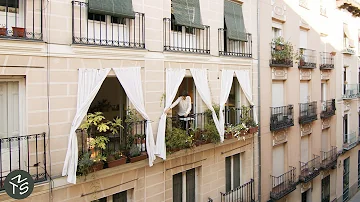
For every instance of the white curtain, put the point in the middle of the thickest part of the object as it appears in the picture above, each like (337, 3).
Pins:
(243, 77)
(202, 86)
(130, 79)
(89, 83)
(174, 78)
(226, 83)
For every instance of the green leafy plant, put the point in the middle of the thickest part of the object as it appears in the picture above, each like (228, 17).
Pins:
(131, 116)
(95, 121)
(134, 151)
(115, 126)
(283, 52)
(211, 134)
(208, 113)
(247, 117)
(84, 164)
(177, 139)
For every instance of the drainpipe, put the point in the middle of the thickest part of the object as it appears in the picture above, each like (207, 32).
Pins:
(259, 108)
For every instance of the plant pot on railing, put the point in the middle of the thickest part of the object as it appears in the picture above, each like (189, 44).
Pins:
(253, 129)
(117, 162)
(97, 166)
(3, 31)
(228, 136)
(18, 31)
(141, 157)
(136, 155)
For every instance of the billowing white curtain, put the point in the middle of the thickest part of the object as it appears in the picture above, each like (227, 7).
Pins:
(243, 76)
(130, 79)
(202, 86)
(226, 83)
(89, 83)
(174, 78)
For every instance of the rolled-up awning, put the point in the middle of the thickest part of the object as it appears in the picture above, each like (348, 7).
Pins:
(116, 8)
(234, 21)
(187, 13)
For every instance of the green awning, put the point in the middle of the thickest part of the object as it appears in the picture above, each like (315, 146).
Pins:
(116, 8)
(187, 13)
(234, 21)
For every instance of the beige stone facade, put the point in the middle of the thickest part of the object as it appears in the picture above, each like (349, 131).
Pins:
(47, 72)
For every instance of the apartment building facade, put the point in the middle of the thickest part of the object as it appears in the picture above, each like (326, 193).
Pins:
(309, 64)
(63, 59)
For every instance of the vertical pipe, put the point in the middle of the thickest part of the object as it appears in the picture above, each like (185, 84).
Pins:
(80, 20)
(28, 154)
(44, 156)
(259, 98)
(1, 177)
(36, 155)
(18, 139)
(9, 141)
(73, 36)
(33, 19)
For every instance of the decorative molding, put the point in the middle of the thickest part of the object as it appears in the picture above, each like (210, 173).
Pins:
(304, 25)
(324, 173)
(306, 129)
(279, 73)
(279, 11)
(347, 106)
(325, 74)
(279, 137)
(305, 74)
(305, 186)
(325, 123)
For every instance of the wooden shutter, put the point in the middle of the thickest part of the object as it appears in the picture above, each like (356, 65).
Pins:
(304, 149)
(236, 171)
(303, 38)
(190, 185)
(304, 92)
(177, 187)
(324, 141)
(228, 173)
(278, 160)
(278, 94)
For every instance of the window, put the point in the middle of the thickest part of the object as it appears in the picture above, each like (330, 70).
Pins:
(345, 128)
(278, 160)
(278, 94)
(124, 196)
(184, 185)
(233, 172)
(11, 6)
(305, 149)
(306, 196)
(325, 189)
(346, 179)
(303, 38)
(323, 91)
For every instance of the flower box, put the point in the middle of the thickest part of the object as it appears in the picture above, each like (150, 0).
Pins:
(3, 31)
(254, 129)
(228, 136)
(118, 162)
(97, 166)
(142, 156)
(18, 31)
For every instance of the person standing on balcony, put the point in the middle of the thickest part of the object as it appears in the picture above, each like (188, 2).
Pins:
(184, 108)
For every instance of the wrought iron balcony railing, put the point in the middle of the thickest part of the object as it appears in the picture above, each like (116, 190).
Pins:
(230, 47)
(21, 19)
(233, 115)
(329, 158)
(23, 153)
(350, 91)
(245, 193)
(350, 141)
(281, 117)
(327, 108)
(280, 56)
(283, 185)
(310, 169)
(307, 58)
(186, 39)
(327, 60)
(105, 30)
(307, 112)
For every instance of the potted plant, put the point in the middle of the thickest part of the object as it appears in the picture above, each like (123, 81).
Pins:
(18, 31)
(248, 120)
(3, 30)
(97, 146)
(115, 159)
(211, 134)
(135, 154)
(84, 164)
(177, 139)
(283, 52)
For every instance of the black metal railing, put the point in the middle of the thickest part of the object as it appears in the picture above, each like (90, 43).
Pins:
(281, 117)
(350, 91)
(105, 30)
(307, 58)
(234, 116)
(329, 158)
(310, 169)
(280, 57)
(131, 131)
(350, 141)
(328, 108)
(327, 60)
(284, 184)
(238, 48)
(21, 19)
(244, 193)
(307, 112)
(192, 122)
(186, 39)
(27, 153)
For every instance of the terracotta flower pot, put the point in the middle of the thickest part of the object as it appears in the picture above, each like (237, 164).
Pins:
(3, 31)
(253, 129)
(229, 135)
(18, 31)
(118, 162)
(97, 167)
(142, 156)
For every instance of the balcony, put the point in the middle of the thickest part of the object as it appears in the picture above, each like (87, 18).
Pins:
(352, 6)
(106, 30)
(350, 141)
(307, 112)
(348, 51)
(307, 58)
(350, 91)
(245, 192)
(327, 109)
(228, 47)
(283, 184)
(126, 145)
(310, 169)
(21, 20)
(329, 158)
(23, 153)
(185, 39)
(281, 117)
(327, 60)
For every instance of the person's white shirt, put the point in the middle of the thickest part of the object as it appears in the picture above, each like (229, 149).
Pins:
(184, 105)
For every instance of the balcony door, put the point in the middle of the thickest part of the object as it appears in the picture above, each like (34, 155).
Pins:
(345, 128)
(278, 161)
(12, 13)
(277, 94)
